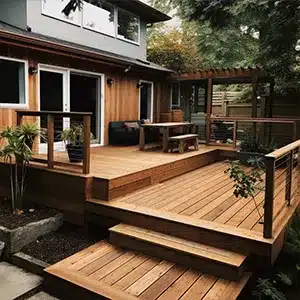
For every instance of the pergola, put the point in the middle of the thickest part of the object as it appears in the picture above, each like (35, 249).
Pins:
(208, 78)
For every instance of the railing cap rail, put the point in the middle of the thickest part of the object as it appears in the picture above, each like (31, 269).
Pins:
(283, 151)
(258, 120)
(36, 113)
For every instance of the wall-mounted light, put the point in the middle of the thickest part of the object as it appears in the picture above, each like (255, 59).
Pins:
(32, 70)
(110, 81)
(127, 69)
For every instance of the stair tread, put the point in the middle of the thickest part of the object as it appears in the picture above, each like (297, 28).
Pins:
(181, 245)
(124, 274)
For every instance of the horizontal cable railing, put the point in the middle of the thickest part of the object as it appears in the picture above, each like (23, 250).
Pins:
(282, 183)
(63, 141)
(228, 131)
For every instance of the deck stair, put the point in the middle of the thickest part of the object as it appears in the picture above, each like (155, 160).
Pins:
(119, 274)
(215, 261)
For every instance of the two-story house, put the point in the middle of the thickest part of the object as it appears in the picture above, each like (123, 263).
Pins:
(92, 60)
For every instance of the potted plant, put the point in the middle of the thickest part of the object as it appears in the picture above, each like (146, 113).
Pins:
(251, 148)
(73, 138)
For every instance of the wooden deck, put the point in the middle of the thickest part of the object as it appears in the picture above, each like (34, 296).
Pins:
(112, 162)
(202, 198)
(118, 274)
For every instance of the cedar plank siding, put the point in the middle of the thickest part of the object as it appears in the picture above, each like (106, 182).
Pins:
(121, 100)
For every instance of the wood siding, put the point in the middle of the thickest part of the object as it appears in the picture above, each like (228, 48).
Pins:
(121, 99)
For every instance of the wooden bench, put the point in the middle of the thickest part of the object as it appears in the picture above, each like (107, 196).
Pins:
(184, 141)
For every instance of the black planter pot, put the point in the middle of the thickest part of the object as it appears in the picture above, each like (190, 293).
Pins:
(75, 153)
(245, 156)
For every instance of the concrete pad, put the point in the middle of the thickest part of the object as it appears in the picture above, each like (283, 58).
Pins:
(42, 296)
(14, 281)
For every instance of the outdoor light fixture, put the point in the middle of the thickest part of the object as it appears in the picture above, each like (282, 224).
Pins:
(127, 69)
(110, 81)
(33, 70)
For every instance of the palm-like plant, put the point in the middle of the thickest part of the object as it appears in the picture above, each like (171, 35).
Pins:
(17, 154)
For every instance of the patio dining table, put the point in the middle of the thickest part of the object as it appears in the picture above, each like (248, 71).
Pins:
(166, 131)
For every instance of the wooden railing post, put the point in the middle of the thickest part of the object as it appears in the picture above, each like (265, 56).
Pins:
(19, 118)
(50, 140)
(235, 123)
(289, 178)
(86, 144)
(269, 196)
(295, 131)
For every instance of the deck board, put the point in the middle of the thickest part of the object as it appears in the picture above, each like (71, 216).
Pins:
(111, 162)
(206, 194)
(137, 276)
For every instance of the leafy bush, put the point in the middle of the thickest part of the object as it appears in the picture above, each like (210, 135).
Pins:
(251, 144)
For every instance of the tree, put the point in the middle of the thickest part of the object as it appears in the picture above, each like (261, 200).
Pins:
(275, 22)
(175, 49)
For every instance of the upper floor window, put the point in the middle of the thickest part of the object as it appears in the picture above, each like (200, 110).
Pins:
(12, 83)
(99, 17)
(53, 8)
(128, 26)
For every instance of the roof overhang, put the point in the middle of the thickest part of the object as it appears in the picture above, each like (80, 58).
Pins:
(75, 51)
(146, 12)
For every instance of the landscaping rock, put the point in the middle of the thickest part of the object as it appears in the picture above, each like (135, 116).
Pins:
(15, 282)
(16, 239)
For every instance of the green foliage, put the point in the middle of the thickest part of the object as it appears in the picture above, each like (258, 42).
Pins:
(225, 48)
(74, 135)
(246, 184)
(282, 280)
(268, 20)
(174, 49)
(17, 154)
(252, 144)
(266, 288)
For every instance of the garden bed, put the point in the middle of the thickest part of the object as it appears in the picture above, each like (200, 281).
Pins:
(58, 245)
(13, 221)
(19, 230)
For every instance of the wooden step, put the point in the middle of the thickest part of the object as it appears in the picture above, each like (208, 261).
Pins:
(198, 230)
(114, 273)
(215, 261)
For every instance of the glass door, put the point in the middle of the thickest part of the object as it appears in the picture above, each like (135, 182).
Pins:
(85, 95)
(53, 95)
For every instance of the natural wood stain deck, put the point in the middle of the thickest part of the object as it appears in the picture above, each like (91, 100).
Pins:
(118, 274)
(206, 194)
(112, 162)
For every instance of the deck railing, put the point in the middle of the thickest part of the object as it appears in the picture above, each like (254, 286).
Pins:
(52, 124)
(229, 131)
(282, 182)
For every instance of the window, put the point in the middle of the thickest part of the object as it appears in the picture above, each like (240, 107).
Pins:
(99, 18)
(175, 95)
(54, 8)
(12, 83)
(128, 26)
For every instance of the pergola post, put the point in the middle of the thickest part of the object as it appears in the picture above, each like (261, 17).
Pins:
(254, 104)
(209, 109)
